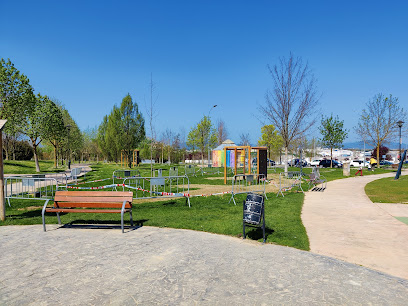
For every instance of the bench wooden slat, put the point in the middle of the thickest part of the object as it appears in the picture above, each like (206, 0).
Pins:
(84, 210)
(96, 193)
(91, 204)
(87, 201)
(79, 199)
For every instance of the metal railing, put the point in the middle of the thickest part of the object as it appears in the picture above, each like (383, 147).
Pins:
(122, 174)
(34, 188)
(190, 170)
(159, 187)
(290, 180)
(245, 183)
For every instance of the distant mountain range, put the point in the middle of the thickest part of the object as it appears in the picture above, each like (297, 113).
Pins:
(359, 145)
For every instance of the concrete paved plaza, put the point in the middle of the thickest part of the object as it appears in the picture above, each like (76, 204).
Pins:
(77, 266)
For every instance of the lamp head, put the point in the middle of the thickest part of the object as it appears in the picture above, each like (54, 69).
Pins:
(400, 123)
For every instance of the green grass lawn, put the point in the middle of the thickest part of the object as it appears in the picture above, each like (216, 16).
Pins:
(28, 167)
(388, 190)
(210, 214)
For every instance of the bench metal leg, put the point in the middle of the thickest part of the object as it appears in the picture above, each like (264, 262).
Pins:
(43, 214)
(131, 217)
(59, 219)
(121, 216)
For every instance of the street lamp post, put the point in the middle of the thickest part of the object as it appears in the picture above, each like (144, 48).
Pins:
(214, 106)
(69, 149)
(400, 123)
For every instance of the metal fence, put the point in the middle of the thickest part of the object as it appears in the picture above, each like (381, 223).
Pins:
(190, 170)
(119, 175)
(159, 187)
(245, 183)
(35, 188)
(290, 180)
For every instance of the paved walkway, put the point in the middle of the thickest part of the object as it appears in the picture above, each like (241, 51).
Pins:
(149, 266)
(343, 223)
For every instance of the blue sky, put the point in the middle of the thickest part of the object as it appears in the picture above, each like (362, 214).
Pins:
(90, 54)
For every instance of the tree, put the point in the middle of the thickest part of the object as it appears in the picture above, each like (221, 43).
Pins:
(245, 139)
(39, 123)
(383, 151)
(203, 136)
(290, 104)
(132, 127)
(333, 134)
(123, 130)
(192, 139)
(222, 133)
(271, 139)
(378, 121)
(16, 96)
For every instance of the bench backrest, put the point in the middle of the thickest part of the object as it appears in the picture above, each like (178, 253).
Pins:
(100, 199)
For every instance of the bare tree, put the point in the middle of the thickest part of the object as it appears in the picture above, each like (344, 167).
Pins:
(168, 139)
(290, 104)
(151, 115)
(245, 139)
(222, 133)
(378, 122)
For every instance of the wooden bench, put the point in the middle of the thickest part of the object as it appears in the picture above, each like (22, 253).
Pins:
(91, 202)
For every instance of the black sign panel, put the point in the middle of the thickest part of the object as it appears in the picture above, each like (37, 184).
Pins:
(263, 167)
(127, 173)
(253, 209)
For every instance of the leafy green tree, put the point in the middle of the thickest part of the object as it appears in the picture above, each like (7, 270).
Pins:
(132, 127)
(123, 130)
(333, 133)
(192, 139)
(56, 135)
(378, 121)
(16, 96)
(204, 135)
(270, 139)
(101, 139)
(39, 123)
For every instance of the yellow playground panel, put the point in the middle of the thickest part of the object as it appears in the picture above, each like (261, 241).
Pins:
(124, 158)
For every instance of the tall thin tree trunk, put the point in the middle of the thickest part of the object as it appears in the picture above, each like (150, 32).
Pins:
(331, 157)
(37, 165)
(286, 160)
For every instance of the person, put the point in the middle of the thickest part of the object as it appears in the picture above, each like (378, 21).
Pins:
(360, 171)
(373, 162)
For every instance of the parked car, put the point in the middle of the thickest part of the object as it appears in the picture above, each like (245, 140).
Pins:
(356, 163)
(270, 162)
(296, 163)
(325, 163)
(315, 162)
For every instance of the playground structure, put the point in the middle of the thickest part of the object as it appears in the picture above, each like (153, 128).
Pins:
(237, 157)
(124, 158)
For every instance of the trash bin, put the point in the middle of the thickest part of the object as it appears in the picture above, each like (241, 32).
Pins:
(346, 169)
